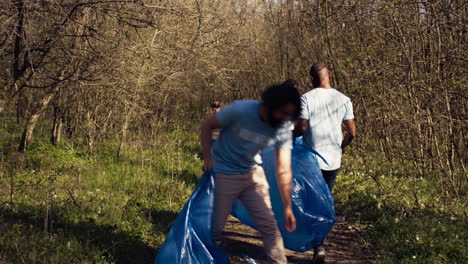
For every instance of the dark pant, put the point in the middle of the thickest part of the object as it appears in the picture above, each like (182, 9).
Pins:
(330, 177)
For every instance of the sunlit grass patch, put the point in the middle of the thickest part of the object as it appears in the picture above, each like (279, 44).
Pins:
(60, 205)
(404, 215)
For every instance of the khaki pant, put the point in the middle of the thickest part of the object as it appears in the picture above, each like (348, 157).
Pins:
(251, 188)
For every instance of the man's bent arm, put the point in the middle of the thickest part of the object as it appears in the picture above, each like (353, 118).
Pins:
(300, 127)
(350, 132)
(284, 179)
(205, 138)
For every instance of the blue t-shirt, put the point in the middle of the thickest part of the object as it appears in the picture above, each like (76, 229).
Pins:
(243, 135)
(325, 109)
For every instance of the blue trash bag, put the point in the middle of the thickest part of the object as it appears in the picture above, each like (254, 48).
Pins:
(189, 239)
(311, 200)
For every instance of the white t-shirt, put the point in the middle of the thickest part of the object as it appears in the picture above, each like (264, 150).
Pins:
(325, 108)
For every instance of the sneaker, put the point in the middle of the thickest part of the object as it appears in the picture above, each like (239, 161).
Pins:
(319, 255)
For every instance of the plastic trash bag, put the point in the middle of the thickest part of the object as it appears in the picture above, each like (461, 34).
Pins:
(189, 239)
(311, 200)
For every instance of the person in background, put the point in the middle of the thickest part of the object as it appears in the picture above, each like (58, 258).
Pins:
(215, 107)
(247, 127)
(324, 109)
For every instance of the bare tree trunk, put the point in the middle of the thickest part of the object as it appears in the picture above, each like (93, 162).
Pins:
(56, 128)
(58, 121)
(32, 120)
(21, 106)
(17, 69)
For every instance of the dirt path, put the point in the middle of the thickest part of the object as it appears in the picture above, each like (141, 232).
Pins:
(341, 245)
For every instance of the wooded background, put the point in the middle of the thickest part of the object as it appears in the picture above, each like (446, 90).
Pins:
(127, 71)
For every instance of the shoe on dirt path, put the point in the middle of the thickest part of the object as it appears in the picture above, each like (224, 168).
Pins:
(319, 255)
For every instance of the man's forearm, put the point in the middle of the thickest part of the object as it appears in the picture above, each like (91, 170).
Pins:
(284, 186)
(300, 127)
(350, 133)
(284, 179)
(205, 138)
(284, 175)
(346, 140)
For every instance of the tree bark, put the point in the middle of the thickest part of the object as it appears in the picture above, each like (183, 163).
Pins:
(58, 121)
(56, 129)
(32, 119)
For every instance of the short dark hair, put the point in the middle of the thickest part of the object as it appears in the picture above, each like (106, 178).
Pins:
(314, 72)
(215, 104)
(278, 95)
(292, 82)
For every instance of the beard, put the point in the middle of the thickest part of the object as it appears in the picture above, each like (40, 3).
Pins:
(275, 123)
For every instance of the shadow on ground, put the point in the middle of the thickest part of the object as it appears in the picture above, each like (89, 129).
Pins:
(111, 242)
(341, 245)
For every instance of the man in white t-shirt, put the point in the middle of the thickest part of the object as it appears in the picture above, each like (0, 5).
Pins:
(324, 109)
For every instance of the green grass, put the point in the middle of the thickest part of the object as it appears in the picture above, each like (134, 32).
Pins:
(58, 205)
(405, 216)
